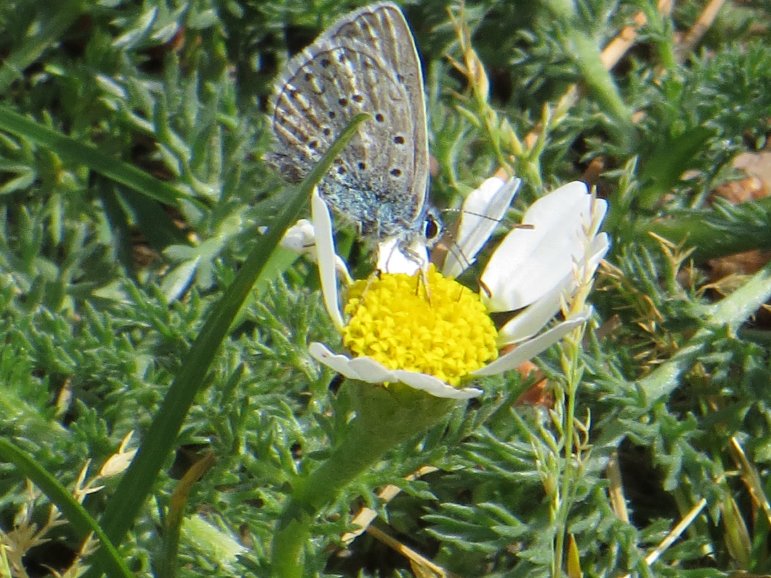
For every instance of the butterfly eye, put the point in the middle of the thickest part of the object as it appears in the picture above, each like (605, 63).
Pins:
(432, 228)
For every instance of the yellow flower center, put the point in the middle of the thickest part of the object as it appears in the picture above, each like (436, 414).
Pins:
(445, 332)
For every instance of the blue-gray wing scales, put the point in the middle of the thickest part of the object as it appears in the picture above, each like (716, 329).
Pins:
(365, 62)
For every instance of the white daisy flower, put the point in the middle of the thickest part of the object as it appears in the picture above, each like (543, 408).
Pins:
(395, 332)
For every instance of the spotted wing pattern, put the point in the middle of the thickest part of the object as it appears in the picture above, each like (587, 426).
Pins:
(365, 62)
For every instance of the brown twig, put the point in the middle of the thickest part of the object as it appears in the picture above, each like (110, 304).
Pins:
(366, 516)
(700, 27)
(616, 488)
(414, 557)
(610, 56)
(751, 478)
(674, 533)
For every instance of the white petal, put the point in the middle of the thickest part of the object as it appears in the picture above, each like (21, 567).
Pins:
(300, 238)
(368, 370)
(598, 248)
(529, 321)
(325, 247)
(393, 258)
(482, 211)
(599, 208)
(340, 363)
(531, 262)
(372, 371)
(361, 368)
(534, 317)
(434, 386)
(530, 349)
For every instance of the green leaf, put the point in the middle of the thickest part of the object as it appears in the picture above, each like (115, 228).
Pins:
(669, 160)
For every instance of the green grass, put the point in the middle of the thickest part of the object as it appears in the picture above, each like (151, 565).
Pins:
(140, 293)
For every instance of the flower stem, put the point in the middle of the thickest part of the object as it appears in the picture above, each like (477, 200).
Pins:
(385, 417)
(570, 359)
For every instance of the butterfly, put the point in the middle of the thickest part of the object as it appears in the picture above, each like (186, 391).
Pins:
(365, 62)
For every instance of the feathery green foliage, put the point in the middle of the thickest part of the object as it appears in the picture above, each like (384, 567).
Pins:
(132, 190)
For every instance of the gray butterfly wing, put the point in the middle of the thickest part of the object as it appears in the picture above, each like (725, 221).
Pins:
(364, 62)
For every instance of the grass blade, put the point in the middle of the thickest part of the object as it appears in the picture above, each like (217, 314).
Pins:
(136, 484)
(76, 152)
(107, 555)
